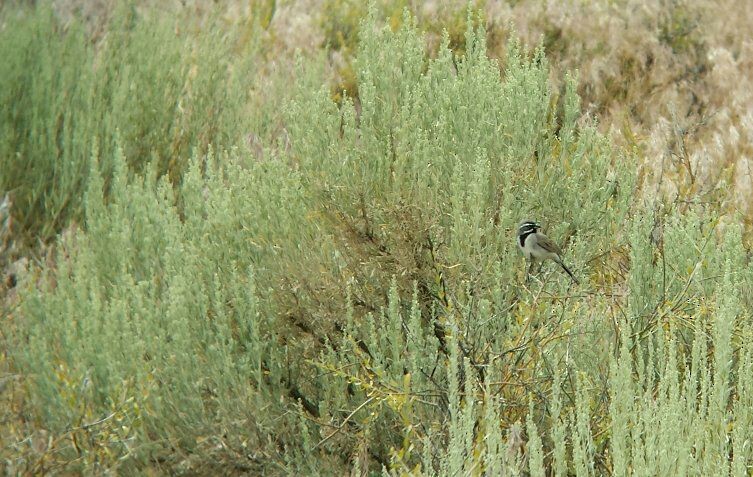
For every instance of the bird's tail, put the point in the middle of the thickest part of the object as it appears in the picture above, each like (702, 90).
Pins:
(569, 272)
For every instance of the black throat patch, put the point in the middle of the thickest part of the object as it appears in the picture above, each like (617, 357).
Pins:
(526, 229)
(524, 235)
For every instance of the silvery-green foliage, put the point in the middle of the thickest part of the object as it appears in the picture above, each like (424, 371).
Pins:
(460, 146)
(535, 451)
(558, 426)
(683, 406)
(742, 446)
(45, 119)
(145, 306)
(360, 294)
(621, 406)
(644, 280)
(442, 157)
(494, 445)
(65, 93)
(583, 446)
(453, 463)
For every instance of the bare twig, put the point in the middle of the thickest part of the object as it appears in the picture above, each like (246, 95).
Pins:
(345, 421)
(95, 423)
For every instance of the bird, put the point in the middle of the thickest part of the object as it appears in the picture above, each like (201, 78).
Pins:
(538, 247)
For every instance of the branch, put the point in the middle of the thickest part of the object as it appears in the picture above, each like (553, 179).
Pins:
(345, 421)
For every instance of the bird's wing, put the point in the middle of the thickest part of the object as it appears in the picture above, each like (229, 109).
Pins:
(547, 244)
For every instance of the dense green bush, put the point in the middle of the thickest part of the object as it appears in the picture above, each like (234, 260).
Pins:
(60, 95)
(356, 300)
(46, 98)
(170, 337)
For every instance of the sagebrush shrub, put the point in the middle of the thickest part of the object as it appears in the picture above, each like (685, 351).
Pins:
(356, 300)
(62, 96)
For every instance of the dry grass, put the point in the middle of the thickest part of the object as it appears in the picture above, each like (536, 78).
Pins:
(665, 77)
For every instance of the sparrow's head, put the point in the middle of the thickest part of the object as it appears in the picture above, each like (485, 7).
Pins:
(527, 227)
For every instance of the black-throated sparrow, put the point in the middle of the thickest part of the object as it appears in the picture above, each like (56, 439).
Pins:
(538, 247)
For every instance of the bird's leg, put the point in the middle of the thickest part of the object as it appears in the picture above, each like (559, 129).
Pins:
(529, 270)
